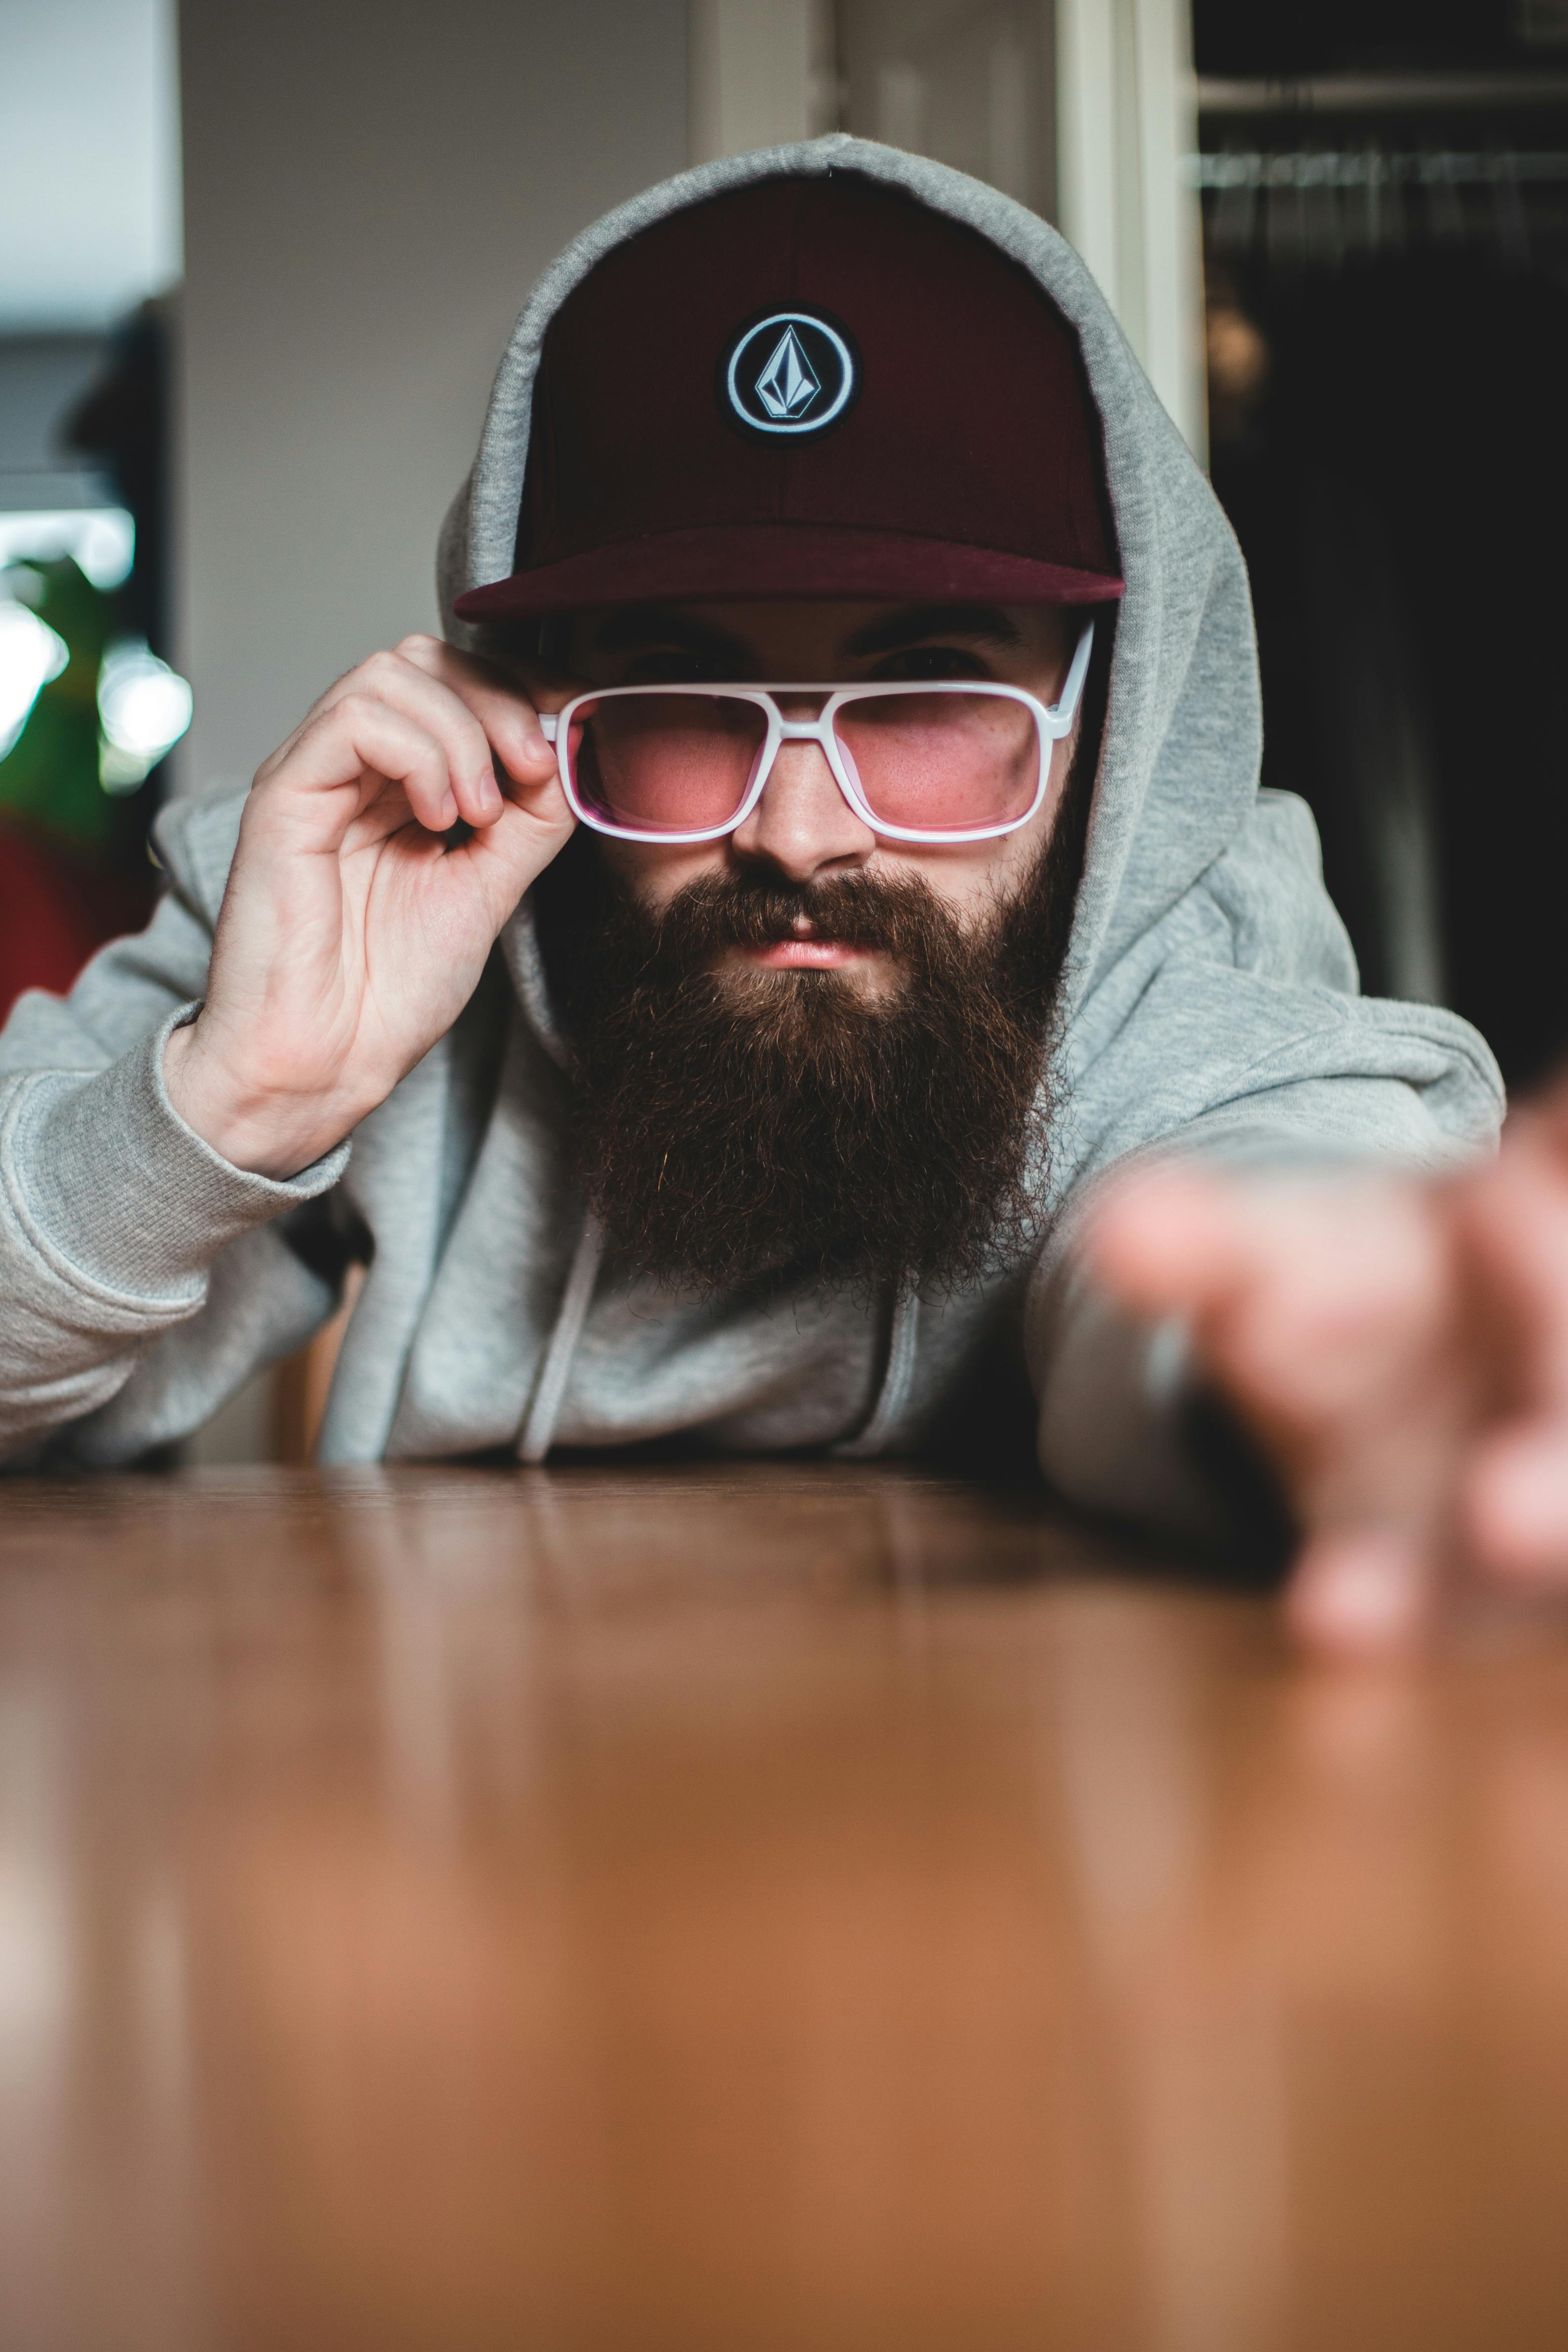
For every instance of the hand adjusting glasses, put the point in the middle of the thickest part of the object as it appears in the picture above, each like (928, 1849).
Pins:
(961, 762)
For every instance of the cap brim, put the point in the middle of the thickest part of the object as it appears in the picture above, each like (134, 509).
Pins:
(733, 561)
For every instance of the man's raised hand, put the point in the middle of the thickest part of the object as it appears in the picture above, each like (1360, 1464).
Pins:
(352, 932)
(1399, 1347)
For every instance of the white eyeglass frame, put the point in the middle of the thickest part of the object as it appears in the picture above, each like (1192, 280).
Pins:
(1052, 722)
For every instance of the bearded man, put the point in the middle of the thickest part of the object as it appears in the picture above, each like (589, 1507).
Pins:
(702, 987)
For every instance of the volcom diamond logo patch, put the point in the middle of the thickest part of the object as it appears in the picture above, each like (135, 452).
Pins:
(792, 372)
(788, 385)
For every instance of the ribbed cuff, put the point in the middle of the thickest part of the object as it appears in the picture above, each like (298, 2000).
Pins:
(118, 1193)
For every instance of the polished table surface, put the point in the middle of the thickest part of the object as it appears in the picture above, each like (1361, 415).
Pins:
(792, 1906)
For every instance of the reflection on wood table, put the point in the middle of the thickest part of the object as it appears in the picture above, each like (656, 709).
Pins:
(758, 1906)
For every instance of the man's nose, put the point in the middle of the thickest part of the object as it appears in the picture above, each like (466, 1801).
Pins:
(803, 824)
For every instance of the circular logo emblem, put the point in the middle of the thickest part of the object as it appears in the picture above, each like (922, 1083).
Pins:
(790, 372)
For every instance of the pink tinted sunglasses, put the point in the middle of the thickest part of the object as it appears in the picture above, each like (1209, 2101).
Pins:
(956, 761)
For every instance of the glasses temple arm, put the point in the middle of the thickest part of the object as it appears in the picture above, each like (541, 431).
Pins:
(547, 725)
(1066, 707)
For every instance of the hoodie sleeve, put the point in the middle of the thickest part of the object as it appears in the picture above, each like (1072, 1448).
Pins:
(112, 1211)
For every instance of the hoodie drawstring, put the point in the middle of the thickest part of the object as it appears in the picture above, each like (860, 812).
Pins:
(896, 1379)
(539, 1429)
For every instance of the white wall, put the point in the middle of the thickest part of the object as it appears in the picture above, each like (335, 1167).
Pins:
(90, 166)
(762, 72)
(969, 81)
(371, 187)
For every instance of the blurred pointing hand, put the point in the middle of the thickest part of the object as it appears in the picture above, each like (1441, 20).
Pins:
(1400, 1350)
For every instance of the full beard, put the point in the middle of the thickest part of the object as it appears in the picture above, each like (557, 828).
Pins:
(731, 1127)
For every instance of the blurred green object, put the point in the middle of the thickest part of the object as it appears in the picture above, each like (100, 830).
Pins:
(49, 777)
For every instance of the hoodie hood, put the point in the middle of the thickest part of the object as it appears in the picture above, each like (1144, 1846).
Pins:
(1179, 761)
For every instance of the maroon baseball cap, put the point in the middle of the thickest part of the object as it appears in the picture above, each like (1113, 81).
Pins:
(809, 387)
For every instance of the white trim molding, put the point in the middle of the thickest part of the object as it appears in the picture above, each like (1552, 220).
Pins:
(1127, 198)
(760, 73)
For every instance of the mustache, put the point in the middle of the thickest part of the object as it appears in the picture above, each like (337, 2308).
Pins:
(903, 918)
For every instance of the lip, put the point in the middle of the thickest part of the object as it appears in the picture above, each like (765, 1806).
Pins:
(803, 955)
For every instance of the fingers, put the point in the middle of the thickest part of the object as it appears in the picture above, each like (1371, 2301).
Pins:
(509, 854)
(1545, 1118)
(1514, 1220)
(359, 736)
(1165, 1242)
(468, 711)
(1326, 1312)
(1306, 1299)
(508, 715)
(1515, 1504)
(1513, 1217)
(1183, 1239)
(1361, 1594)
(1402, 1350)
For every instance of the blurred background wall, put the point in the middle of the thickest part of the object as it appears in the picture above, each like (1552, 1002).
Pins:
(90, 199)
(371, 188)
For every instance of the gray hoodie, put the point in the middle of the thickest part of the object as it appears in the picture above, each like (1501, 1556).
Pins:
(1211, 1006)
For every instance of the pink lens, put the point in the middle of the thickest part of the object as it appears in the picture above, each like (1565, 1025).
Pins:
(665, 762)
(942, 763)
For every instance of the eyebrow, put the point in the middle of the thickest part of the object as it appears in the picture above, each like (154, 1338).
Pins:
(633, 627)
(914, 624)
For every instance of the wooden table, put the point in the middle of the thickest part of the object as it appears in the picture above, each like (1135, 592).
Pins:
(783, 1907)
